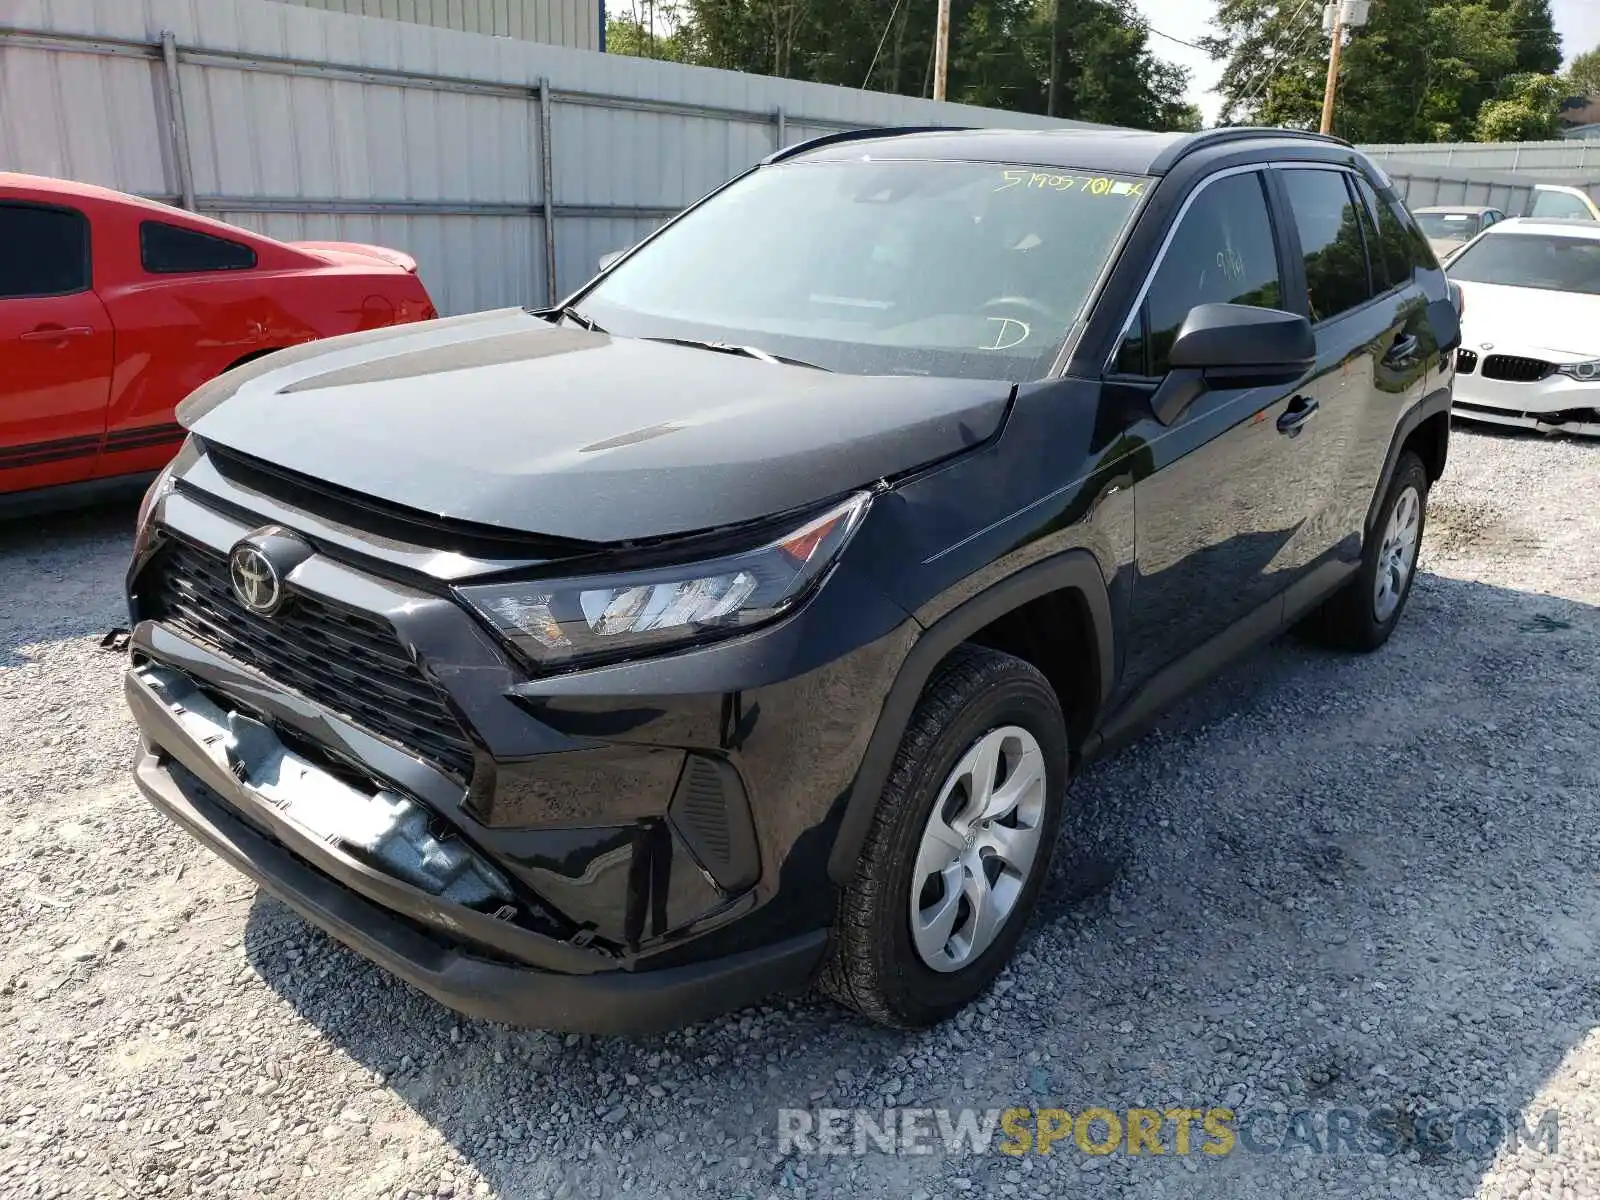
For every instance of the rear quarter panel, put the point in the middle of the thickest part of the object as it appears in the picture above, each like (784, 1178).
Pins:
(175, 332)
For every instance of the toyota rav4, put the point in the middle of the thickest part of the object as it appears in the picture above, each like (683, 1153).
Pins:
(738, 625)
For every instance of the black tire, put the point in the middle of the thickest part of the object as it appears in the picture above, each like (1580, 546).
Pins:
(1348, 619)
(873, 966)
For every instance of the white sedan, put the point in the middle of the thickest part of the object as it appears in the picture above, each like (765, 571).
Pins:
(1530, 345)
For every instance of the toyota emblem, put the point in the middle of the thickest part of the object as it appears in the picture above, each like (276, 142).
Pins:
(255, 579)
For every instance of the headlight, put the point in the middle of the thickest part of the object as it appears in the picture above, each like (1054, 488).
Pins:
(567, 620)
(159, 487)
(1587, 372)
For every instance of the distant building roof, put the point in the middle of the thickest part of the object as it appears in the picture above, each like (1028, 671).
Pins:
(1579, 111)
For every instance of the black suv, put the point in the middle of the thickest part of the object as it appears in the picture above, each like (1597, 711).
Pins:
(738, 625)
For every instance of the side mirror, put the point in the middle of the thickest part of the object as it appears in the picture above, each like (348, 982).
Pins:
(610, 257)
(1233, 345)
(1444, 317)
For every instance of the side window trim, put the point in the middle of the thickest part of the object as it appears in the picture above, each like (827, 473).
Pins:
(1136, 310)
(87, 259)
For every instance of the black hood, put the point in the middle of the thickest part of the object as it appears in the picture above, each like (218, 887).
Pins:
(503, 419)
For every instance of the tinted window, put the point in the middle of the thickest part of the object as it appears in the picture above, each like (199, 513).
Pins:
(43, 251)
(880, 266)
(1532, 260)
(169, 250)
(1559, 204)
(1331, 241)
(1401, 246)
(1222, 253)
(1419, 254)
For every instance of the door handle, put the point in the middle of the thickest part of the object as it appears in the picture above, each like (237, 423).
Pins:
(1301, 409)
(56, 333)
(1403, 350)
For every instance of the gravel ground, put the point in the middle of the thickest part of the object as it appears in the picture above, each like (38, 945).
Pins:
(1357, 883)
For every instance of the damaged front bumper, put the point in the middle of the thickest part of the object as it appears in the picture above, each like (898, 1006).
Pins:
(366, 866)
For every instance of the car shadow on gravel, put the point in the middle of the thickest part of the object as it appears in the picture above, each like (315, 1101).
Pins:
(1354, 883)
(61, 576)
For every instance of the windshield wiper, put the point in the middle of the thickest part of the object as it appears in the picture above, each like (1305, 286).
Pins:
(754, 352)
(577, 318)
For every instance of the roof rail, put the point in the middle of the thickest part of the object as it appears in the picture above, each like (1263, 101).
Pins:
(1240, 133)
(851, 135)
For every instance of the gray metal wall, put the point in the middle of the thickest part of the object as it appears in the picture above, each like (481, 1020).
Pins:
(560, 22)
(1422, 184)
(467, 151)
(1461, 174)
(1555, 161)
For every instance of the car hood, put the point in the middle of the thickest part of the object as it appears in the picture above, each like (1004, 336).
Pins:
(503, 419)
(1515, 320)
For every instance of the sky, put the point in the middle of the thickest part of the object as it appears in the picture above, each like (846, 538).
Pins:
(1577, 20)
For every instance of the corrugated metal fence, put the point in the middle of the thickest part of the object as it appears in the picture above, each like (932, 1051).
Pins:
(1557, 161)
(501, 165)
(1502, 174)
(560, 22)
(1423, 184)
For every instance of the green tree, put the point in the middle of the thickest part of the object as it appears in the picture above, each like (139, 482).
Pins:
(1002, 52)
(1527, 114)
(1583, 74)
(1538, 43)
(1421, 70)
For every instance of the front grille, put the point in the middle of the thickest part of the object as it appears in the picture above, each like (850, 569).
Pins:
(346, 661)
(1466, 361)
(1513, 368)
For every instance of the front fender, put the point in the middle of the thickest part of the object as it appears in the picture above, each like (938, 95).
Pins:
(1074, 570)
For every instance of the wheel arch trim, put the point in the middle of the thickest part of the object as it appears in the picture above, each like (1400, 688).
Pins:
(1433, 405)
(1074, 570)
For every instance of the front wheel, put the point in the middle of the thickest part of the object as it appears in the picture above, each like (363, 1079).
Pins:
(959, 846)
(1362, 614)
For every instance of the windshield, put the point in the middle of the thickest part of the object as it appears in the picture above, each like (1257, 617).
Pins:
(1448, 226)
(926, 268)
(1548, 261)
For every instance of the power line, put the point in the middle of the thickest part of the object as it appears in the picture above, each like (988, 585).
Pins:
(1259, 79)
(1179, 40)
(893, 12)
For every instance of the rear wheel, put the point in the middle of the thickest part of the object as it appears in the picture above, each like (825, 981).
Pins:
(959, 846)
(1362, 614)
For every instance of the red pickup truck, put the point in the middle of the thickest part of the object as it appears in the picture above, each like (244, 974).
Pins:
(114, 308)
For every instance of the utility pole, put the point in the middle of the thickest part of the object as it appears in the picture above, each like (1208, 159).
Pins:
(1055, 57)
(1332, 89)
(1338, 17)
(941, 61)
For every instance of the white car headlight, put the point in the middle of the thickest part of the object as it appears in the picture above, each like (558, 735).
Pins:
(1587, 372)
(561, 621)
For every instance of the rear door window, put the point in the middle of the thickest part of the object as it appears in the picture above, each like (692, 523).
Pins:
(1331, 241)
(44, 251)
(172, 250)
(1223, 252)
(1559, 205)
(1396, 251)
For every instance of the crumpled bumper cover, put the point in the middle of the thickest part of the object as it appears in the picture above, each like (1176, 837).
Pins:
(465, 959)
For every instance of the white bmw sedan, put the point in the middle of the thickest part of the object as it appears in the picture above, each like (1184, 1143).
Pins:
(1530, 348)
